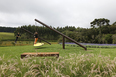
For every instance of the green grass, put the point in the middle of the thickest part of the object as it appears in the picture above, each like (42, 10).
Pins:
(19, 43)
(9, 51)
(17, 50)
(6, 35)
(73, 62)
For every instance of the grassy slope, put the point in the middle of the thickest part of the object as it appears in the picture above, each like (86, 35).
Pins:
(13, 51)
(6, 35)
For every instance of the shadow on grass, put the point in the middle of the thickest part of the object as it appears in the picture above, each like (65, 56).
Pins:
(40, 47)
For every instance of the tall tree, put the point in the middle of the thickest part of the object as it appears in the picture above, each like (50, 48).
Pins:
(114, 23)
(99, 22)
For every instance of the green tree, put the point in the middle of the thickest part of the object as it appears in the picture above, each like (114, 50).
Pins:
(99, 22)
(114, 23)
(114, 39)
(108, 38)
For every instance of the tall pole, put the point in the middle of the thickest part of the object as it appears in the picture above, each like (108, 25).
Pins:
(61, 34)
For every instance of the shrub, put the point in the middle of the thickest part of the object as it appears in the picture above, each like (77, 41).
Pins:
(108, 38)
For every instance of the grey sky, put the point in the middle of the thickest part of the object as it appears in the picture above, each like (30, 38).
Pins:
(78, 13)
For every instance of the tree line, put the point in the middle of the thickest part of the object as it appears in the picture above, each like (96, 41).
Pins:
(100, 32)
(7, 29)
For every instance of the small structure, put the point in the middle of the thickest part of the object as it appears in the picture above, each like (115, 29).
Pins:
(40, 54)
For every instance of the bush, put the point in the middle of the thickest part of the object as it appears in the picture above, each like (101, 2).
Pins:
(108, 38)
(114, 39)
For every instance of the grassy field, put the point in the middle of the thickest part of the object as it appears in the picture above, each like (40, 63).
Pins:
(17, 50)
(6, 35)
(73, 62)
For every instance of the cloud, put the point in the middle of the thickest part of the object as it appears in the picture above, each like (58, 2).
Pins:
(78, 13)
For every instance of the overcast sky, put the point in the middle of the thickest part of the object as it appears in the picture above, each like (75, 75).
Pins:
(78, 13)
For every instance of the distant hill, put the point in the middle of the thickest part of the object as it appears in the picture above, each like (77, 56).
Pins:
(6, 36)
(7, 29)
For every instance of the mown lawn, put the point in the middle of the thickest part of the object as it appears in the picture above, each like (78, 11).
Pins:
(18, 50)
(73, 62)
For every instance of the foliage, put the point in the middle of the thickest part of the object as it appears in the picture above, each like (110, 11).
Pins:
(100, 22)
(90, 35)
(42, 31)
(108, 38)
(7, 29)
(68, 33)
(114, 39)
(97, 34)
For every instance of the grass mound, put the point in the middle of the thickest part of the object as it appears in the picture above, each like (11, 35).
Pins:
(72, 65)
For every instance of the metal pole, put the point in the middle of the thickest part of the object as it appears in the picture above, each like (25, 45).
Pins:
(61, 34)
